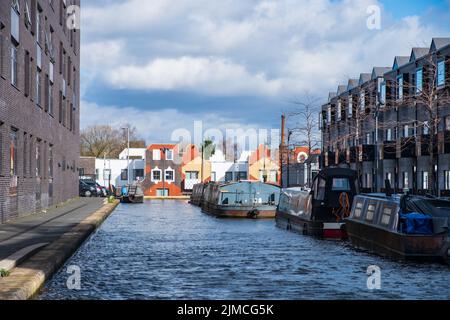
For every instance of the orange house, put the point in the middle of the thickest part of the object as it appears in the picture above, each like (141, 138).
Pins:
(163, 171)
(191, 169)
(263, 165)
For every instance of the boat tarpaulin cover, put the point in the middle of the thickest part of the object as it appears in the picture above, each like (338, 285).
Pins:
(416, 223)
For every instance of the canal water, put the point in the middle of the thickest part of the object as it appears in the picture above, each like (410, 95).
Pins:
(171, 250)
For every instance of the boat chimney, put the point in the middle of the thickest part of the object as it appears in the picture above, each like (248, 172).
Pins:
(387, 184)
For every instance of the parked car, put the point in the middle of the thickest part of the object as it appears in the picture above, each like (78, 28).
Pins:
(87, 190)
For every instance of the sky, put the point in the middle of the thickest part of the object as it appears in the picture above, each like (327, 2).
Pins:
(161, 65)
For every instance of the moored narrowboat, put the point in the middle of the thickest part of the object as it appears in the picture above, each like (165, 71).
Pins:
(401, 227)
(197, 194)
(243, 199)
(131, 194)
(319, 212)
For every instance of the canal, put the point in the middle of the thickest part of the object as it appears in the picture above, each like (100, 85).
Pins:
(171, 250)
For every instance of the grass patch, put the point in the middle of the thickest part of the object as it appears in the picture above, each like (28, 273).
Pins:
(4, 273)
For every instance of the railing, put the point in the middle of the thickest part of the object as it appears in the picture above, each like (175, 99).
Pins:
(188, 184)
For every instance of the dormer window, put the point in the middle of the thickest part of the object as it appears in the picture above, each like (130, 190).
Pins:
(400, 87)
(15, 18)
(419, 81)
(441, 73)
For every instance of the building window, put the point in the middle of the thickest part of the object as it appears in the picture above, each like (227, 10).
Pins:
(273, 176)
(419, 81)
(107, 174)
(400, 87)
(97, 174)
(192, 175)
(405, 180)
(368, 180)
(213, 176)
(447, 179)
(156, 175)
(228, 176)
(447, 123)
(169, 154)
(425, 180)
(368, 140)
(156, 154)
(138, 174)
(362, 100)
(329, 115)
(389, 134)
(339, 110)
(242, 175)
(170, 175)
(15, 20)
(426, 129)
(405, 131)
(14, 66)
(124, 175)
(162, 193)
(50, 97)
(383, 93)
(38, 154)
(350, 106)
(13, 153)
(389, 177)
(441, 73)
(38, 87)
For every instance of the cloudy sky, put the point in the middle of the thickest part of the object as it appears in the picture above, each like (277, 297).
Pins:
(163, 64)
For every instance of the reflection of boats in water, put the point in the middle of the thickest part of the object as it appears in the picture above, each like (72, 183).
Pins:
(131, 194)
(244, 199)
(319, 212)
(404, 227)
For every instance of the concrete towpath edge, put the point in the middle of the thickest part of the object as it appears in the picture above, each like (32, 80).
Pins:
(26, 280)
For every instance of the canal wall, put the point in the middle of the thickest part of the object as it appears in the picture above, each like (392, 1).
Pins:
(25, 281)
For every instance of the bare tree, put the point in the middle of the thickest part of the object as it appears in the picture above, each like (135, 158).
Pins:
(106, 141)
(305, 127)
(430, 98)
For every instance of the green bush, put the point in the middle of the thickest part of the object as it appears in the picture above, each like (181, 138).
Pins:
(4, 273)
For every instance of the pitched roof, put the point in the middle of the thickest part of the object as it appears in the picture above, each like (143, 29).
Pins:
(379, 71)
(363, 77)
(400, 61)
(352, 83)
(417, 53)
(341, 89)
(331, 95)
(439, 43)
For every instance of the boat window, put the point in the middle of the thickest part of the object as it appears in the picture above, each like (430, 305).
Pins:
(358, 209)
(370, 212)
(341, 184)
(386, 217)
(321, 190)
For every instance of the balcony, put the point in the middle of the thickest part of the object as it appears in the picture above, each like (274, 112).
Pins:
(389, 150)
(408, 147)
(368, 152)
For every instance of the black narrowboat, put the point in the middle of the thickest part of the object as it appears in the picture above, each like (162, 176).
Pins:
(321, 211)
(403, 227)
(131, 194)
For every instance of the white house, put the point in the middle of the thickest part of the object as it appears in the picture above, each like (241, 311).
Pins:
(223, 170)
(116, 171)
(135, 153)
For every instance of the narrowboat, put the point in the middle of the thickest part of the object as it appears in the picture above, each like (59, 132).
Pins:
(403, 227)
(243, 199)
(131, 194)
(197, 194)
(319, 212)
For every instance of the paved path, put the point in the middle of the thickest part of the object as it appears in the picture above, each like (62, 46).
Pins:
(48, 227)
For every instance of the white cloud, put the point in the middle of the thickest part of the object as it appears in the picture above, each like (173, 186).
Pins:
(258, 47)
(157, 125)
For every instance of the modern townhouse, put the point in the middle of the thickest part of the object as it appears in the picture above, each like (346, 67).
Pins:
(397, 124)
(39, 106)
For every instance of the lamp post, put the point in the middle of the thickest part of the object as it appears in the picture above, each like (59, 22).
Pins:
(289, 158)
(164, 152)
(128, 153)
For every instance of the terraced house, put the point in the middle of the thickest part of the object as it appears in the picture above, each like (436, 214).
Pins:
(39, 110)
(394, 123)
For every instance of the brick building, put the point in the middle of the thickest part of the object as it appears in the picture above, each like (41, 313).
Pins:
(379, 124)
(39, 106)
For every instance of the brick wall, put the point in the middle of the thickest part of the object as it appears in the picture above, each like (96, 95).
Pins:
(47, 151)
